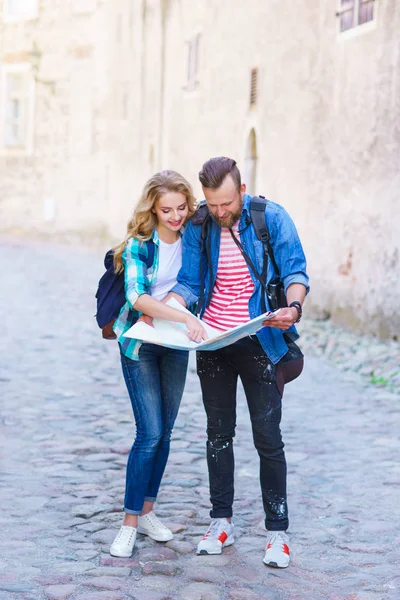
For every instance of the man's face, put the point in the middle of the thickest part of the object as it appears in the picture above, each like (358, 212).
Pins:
(225, 203)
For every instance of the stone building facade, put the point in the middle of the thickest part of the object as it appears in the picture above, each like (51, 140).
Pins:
(95, 95)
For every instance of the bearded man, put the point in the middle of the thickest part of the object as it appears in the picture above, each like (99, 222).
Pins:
(222, 264)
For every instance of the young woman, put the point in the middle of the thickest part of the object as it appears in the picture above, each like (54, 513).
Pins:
(154, 375)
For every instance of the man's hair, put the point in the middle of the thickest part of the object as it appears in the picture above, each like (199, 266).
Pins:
(214, 171)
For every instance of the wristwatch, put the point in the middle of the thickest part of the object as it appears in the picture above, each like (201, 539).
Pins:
(297, 306)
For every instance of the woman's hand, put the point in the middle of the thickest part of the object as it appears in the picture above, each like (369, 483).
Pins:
(196, 331)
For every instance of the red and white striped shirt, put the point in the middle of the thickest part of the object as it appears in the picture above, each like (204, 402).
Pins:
(233, 286)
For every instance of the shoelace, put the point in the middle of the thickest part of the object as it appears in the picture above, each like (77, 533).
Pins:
(125, 533)
(214, 529)
(154, 520)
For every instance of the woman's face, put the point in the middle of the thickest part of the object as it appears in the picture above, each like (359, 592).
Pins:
(171, 210)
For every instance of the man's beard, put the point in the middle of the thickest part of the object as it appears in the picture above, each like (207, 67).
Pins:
(230, 219)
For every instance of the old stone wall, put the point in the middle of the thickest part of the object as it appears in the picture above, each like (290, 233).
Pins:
(61, 183)
(327, 130)
(148, 84)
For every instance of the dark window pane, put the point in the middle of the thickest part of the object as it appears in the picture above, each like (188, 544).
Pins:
(366, 11)
(346, 14)
(346, 20)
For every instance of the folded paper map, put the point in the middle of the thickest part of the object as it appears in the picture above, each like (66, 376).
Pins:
(174, 335)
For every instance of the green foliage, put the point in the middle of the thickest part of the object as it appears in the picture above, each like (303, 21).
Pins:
(378, 380)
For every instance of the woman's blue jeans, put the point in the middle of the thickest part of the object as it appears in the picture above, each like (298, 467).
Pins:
(155, 384)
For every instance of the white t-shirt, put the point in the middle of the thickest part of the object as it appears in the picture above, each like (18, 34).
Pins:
(169, 263)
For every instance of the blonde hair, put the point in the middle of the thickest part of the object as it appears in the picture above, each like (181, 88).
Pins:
(144, 220)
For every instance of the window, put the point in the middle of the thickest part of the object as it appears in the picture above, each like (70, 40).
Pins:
(20, 10)
(192, 62)
(253, 87)
(355, 12)
(17, 100)
(365, 11)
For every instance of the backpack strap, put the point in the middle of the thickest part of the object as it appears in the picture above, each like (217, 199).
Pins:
(201, 215)
(257, 213)
(150, 254)
(258, 217)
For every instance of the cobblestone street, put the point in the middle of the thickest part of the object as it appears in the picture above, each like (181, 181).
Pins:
(65, 430)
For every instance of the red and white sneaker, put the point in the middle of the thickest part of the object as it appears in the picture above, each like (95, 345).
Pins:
(218, 535)
(277, 551)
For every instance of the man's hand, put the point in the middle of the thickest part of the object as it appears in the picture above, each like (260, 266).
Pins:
(284, 319)
(146, 319)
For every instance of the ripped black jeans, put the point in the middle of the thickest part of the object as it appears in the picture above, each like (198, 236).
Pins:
(218, 372)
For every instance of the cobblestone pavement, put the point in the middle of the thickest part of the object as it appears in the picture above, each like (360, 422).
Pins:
(66, 427)
(376, 361)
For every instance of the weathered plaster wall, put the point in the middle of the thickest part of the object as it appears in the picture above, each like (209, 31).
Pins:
(61, 184)
(326, 124)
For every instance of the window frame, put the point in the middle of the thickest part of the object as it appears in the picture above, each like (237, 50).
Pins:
(10, 17)
(26, 147)
(356, 28)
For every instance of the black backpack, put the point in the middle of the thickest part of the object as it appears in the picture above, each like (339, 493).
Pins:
(110, 293)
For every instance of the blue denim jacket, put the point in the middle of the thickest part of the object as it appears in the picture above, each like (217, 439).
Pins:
(288, 253)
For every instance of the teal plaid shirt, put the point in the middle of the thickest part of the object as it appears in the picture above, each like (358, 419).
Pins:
(138, 281)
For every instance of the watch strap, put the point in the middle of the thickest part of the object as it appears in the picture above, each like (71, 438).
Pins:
(298, 307)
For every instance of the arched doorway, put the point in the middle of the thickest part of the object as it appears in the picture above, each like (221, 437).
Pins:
(250, 167)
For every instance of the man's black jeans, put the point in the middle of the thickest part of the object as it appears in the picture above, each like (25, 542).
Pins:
(218, 372)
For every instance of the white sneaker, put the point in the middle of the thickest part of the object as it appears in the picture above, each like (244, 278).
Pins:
(124, 542)
(218, 535)
(151, 525)
(277, 551)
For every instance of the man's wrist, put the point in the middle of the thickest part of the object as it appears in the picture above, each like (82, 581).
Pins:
(295, 304)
